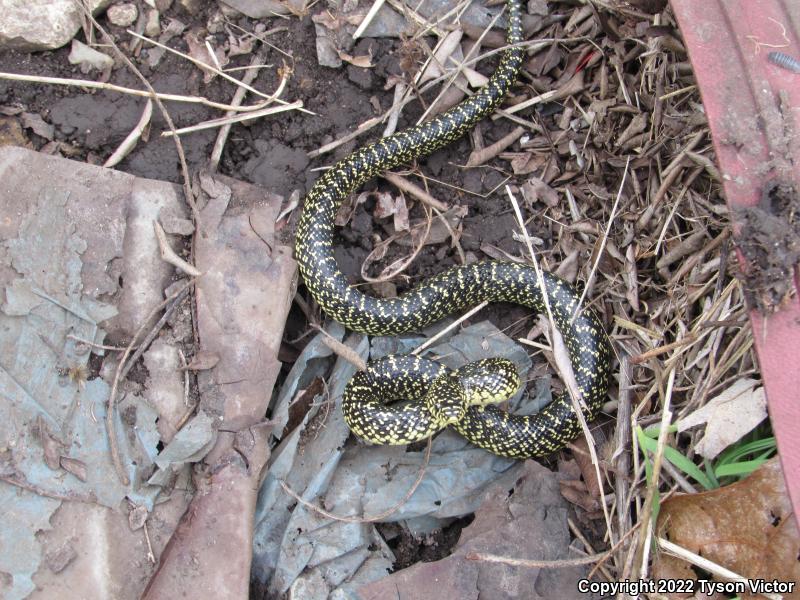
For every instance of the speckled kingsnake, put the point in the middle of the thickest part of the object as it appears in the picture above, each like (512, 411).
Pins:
(450, 291)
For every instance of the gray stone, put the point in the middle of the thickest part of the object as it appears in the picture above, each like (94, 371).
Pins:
(41, 24)
(122, 15)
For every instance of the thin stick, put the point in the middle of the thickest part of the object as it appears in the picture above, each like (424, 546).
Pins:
(110, 87)
(644, 356)
(536, 564)
(225, 121)
(129, 143)
(420, 194)
(168, 254)
(204, 65)
(604, 240)
(570, 380)
(238, 96)
(652, 486)
(394, 112)
(378, 517)
(341, 349)
(365, 126)
(478, 157)
(373, 10)
(709, 566)
(450, 327)
(112, 397)
(94, 344)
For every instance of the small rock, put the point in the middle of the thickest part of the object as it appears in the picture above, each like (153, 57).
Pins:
(89, 58)
(361, 77)
(537, 7)
(176, 225)
(152, 26)
(41, 25)
(122, 15)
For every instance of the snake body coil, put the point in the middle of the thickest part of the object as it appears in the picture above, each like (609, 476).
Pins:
(448, 292)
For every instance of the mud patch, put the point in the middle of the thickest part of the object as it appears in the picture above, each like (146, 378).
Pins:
(770, 241)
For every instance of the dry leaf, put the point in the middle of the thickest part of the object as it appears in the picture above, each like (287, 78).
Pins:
(747, 527)
(137, 517)
(51, 445)
(384, 205)
(728, 417)
(202, 361)
(38, 125)
(198, 50)
(74, 466)
(536, 190)
(364, 61)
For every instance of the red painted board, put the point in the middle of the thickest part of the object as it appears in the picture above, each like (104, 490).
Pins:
(728, 43)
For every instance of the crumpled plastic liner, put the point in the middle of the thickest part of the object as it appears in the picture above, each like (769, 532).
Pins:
(307, 470)
(189, 445)
(296, 547)
(46, 399)
(304, 370)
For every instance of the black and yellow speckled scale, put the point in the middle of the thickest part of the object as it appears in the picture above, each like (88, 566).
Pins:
(457, 288)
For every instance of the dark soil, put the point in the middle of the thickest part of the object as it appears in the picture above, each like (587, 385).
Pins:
(409, 549)
(770, 240)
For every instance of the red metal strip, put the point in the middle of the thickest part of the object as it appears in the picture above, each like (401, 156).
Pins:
(728, 43)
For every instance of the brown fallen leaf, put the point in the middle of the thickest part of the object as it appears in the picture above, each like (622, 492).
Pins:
(74, 466)
(202, 361)
(536, 190)
(199, 51)
(364, 61)
(52, 445)
(747, 527)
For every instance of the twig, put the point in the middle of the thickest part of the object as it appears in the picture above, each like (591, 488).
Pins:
(18, 480)
(478, 157)
(219, 72)
(373, 10)
(536, 564)
(709, 566)
(129, 143)
(401, 264)
(168, 254)
(590, 279)
(652, 486)
(644, 356)
(110, 87)
(226, 121)
(341, 349)
(622, 442)
(394, 112)
(567, 373)
(378, 517)
(94, 344)
(118, 376)
(589, 549)
(365, 126)
(238, 96)
(446, 330)
(404, 184)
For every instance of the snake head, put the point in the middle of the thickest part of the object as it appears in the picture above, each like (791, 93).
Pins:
(445, 399)
(489, 381)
